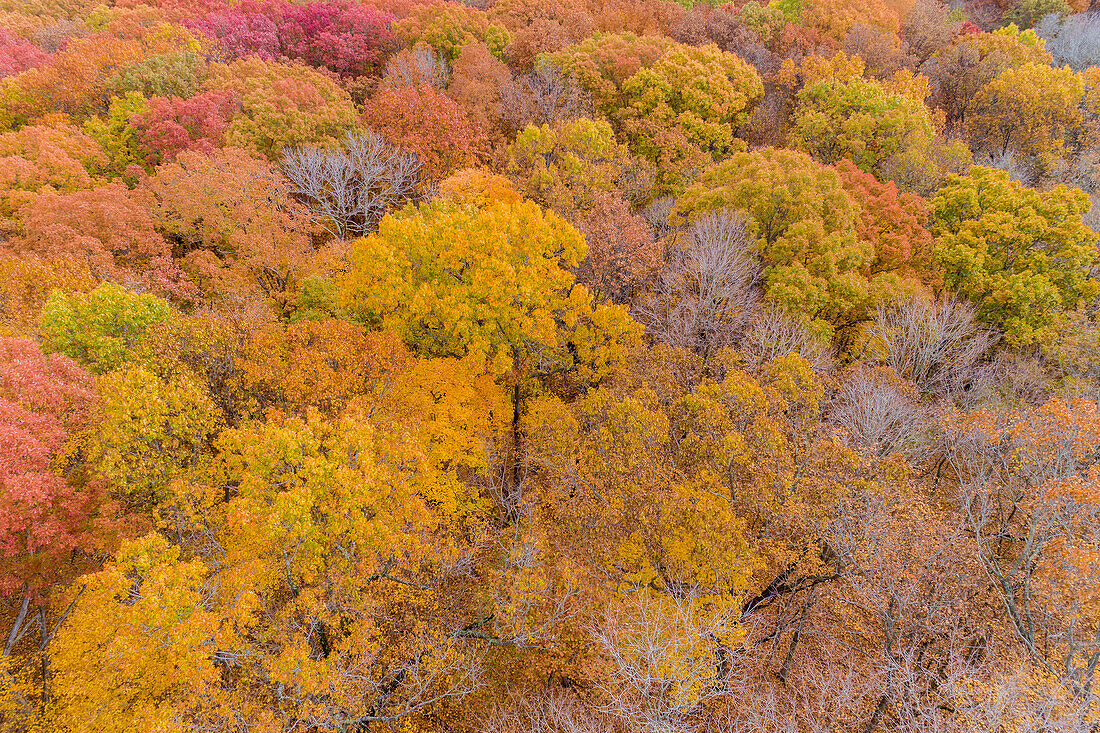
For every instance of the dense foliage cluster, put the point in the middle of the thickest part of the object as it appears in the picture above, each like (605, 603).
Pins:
(550, 366)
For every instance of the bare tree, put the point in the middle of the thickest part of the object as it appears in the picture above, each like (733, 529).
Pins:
(774, 333)
(417, 67)
(1073, 40)
(541, 97)
(349, 189)
(880, 418)
(936, 344)
(708, 287)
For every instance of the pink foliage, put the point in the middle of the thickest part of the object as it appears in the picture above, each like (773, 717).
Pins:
(171, 125)
(240, 32)
(42, 517)
(346, 37)
(342, 35)
(18, 54)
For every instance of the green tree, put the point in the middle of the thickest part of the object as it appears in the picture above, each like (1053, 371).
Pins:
(101, 328)
(805, 225)
(861, 120)
(1022, 255)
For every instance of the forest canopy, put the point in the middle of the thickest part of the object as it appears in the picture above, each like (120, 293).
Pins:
(550, 366)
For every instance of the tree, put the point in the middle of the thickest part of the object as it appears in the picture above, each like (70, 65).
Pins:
(150, 431)
(39, 157)
(860, 120)
(424, 121)
(603, 63)
(488, 283)
(239, 32)
(349, 189)
(1030, 110)
(168, 126)
(44, 401)
(1028, 489)
(75, 81)
(281, 105)
(477, 81)
(623, 254)
(348, 38)
(18, 54)
(233, 223)
(936, 344)
(682, 110)
(833, 19)
(805, 225)
(568, 165)
(895, 222)
(100, 328)
(447, 27)
(1021, 255)
(110, 229)
(973, 60)
(168, 75)
(135, 645)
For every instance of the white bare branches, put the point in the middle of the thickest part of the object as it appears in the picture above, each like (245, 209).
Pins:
(935, 344)
(349, 189)
(708, 286)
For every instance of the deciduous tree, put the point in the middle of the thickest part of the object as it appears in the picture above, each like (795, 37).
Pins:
(1019, 254)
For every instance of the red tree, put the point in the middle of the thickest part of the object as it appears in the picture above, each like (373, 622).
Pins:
(170, 125)
(425, 121)
(43, 518)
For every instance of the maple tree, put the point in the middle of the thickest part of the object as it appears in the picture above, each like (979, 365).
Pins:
(349, 38)
(428, 123)
(109, 228)
(447, 27)
(44, 401)
(168, 126)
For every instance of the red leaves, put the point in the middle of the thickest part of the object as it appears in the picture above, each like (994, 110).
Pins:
(425, 121)
(42, 517)
(346, 37)
(171, 125)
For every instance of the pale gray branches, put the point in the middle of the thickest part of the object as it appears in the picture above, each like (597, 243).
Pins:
(707, 289)
(349, 189)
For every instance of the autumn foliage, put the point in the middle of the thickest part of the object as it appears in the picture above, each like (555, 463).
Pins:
(549, 366)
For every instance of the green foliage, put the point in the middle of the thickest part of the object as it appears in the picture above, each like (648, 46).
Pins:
(101, 328)
(805, 225)
(1021, 255)
(114, 134)
(177, 74)
(282, 105)
(1029, 12)
(859, 120)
